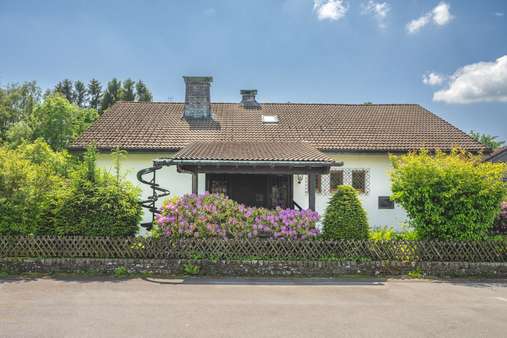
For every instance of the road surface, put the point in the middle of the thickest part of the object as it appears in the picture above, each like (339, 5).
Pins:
(150, 307)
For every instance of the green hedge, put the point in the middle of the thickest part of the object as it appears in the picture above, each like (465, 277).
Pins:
(452, 196)
(345, 218)
(43, 192)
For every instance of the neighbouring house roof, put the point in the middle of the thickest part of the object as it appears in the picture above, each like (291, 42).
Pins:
(159, 126)
(252, 151)
(498, 155)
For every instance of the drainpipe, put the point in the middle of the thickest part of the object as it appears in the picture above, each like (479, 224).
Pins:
(195, 178)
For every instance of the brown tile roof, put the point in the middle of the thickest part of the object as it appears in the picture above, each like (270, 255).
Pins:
(252, 151)
(496, 154)
(341, 127)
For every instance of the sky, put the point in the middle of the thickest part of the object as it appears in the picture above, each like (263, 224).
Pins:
(448, 56)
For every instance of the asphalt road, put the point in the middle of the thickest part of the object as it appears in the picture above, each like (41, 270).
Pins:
(91, 307)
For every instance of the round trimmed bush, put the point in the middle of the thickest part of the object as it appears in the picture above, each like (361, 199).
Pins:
(345, 217)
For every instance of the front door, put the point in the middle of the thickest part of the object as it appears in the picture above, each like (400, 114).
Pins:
(268, 191)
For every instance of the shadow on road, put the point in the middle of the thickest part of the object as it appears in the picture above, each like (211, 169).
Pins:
(268, 281)
(480, 283)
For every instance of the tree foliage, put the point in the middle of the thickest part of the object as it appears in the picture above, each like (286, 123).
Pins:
(31, 193)
(143, 94)
(80, 93)
(61, 114)
(45, 192)
(94, 94)
(59, 122)
(345, 217)
(128, 91)
(489, 141)
(16, 104)
(24, 117)
(65, 88)
(448, 196)
(112, 94)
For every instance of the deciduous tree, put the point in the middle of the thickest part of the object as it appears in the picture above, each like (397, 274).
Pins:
(489, 141)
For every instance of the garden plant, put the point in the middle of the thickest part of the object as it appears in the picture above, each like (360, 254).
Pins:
(448, 196)
(47, 192)
(216, 216)
(345, 217)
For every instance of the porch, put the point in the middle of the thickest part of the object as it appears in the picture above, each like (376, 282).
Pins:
(253, 173)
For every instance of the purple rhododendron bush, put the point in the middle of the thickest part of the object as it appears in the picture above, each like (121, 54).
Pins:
(216, 216)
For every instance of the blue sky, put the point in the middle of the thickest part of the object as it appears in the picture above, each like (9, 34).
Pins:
(342, 51)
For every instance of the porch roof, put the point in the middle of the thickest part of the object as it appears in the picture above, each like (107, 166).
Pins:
(287, 152)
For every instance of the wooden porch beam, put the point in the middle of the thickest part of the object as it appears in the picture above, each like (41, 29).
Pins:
(195, 181)
(312, 183)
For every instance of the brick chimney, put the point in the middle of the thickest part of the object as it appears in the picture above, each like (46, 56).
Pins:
(197, 97)
(248, 98)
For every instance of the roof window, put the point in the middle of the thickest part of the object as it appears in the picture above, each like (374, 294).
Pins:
(269, 119)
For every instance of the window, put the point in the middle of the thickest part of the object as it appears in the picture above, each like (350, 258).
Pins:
(335, 179)
(359, 180)
(269, 119)
(384, 202)
(218, 186)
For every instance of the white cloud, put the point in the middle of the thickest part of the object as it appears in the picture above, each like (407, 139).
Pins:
(378, 9)
(499, 14)
(477, 82)
(332, 10)
(416, 24)
(433, 79)
(440, 15)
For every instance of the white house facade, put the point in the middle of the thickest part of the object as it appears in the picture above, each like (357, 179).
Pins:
(375, 166)
(289, 155)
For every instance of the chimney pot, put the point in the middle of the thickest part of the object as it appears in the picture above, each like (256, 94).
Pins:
(248, 98)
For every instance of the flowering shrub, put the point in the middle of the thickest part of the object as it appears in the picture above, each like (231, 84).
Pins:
(217, 216)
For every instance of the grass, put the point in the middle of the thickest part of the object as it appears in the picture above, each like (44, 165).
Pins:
(416, 274)
(121, 272)
(191, 269)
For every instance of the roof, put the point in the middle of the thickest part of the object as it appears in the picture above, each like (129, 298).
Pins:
(159, 126)
(498, 155)
(252, 151)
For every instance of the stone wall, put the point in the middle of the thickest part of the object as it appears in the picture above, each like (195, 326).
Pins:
(253, 268)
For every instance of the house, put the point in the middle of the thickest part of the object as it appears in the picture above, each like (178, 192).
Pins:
(498, 155)
(269, 154)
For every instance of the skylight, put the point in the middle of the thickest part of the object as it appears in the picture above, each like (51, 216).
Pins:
(269, 119)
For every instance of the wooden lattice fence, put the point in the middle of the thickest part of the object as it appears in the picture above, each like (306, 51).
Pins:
(217, 249)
